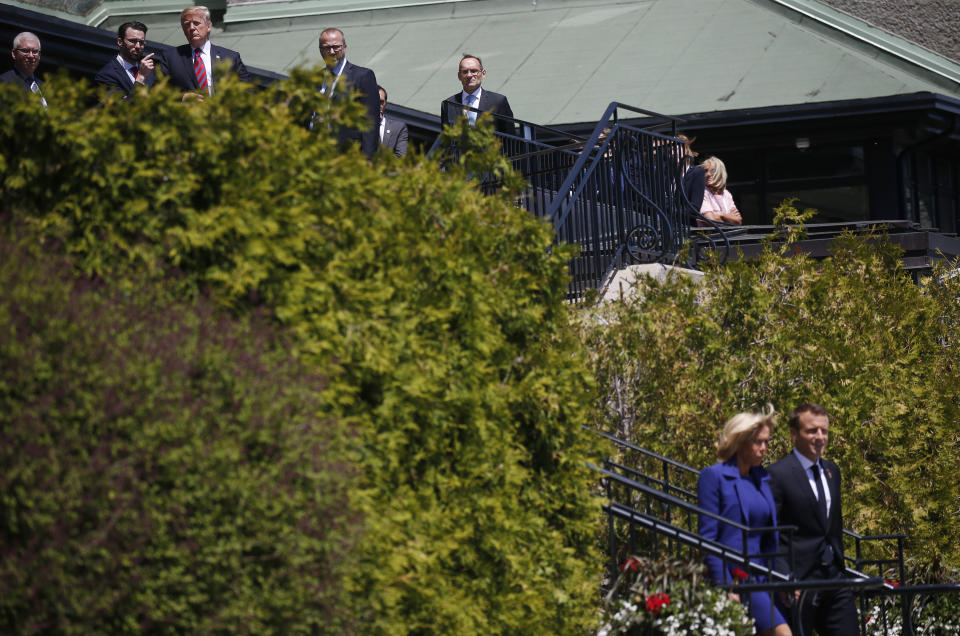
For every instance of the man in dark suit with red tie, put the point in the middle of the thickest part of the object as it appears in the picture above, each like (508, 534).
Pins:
(196, 66)
(344, 76)
(806, 490)
(471, 74)
(130, 67)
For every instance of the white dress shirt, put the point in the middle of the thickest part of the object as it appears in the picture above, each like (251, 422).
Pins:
(807, 464)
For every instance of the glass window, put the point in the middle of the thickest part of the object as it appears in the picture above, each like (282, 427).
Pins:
(842, 203)
(815, 163)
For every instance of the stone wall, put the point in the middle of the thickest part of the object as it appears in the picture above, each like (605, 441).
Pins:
(934, 24)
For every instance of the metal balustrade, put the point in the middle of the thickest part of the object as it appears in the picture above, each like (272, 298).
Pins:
(617, 195)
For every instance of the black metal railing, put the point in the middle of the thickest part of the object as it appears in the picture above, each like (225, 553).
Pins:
(617, 195)
(655, 513)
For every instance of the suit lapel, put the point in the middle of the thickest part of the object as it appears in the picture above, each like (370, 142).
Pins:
(127, 80)
(186, 59)
(834, 491)
(803, 483)
(484, 104)
(387, 133)
(732, 473)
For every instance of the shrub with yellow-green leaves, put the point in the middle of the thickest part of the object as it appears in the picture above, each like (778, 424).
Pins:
(166, 468)
(438, 312)
(852, 332)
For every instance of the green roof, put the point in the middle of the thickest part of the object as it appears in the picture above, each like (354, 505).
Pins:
(563, 61)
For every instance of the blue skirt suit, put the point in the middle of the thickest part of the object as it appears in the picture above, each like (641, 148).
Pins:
(748, 500)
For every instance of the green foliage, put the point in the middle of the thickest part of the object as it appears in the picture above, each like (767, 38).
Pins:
(659, 596)
(443, 311)
(851, 332)
(936, 614)
(164, 468)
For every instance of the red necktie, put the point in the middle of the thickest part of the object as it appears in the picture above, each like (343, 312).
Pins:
(199, 70)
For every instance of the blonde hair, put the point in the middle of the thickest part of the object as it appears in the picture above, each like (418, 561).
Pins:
(740, 429)
(720, 172)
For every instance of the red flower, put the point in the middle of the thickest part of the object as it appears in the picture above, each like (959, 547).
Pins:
(656, 601)
(630, 564)
(893, 583)
(739, 574)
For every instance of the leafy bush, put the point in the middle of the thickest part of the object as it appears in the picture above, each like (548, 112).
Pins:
(935, 614)
(442, 311)
(658, 596)
(166, 468)
(852, 332)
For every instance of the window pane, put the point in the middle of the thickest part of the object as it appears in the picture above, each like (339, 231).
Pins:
(815, 163)
(847, 203)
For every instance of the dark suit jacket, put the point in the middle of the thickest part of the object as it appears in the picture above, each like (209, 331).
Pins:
(719, 491)
(363, 80)
(797, 506)
(178, 66)
(694, 183)
(452, 108)
(117, 78)
(395, 135)
(13, 77)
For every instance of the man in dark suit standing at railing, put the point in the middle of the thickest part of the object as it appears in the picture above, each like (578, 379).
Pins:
(471, 74)
(196, 67)
(806, 490)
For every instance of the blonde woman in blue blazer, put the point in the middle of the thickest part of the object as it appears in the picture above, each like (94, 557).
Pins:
(738, 488)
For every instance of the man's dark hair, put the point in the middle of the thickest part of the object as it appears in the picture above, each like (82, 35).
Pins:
(136, 26)
(384, 92)
(468, 56)
(806, 407)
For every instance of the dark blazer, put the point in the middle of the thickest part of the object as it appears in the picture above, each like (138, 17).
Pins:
(363, 80)
(720, 491)
(395, 135)
(797, 506)
(452, 108)
(114, 76)
(178, 66)
(13, 77)
(694, 184)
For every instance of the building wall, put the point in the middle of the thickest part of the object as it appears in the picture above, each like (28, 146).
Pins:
(934, 24)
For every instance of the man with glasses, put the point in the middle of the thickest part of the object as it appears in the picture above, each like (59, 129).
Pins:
(196, 66)
(344, 76)
(471, 74)
(130, 67)
(26, 59)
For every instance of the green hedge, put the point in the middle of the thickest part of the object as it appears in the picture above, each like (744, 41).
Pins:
(442, 311)
(165, 468)
(852, 332)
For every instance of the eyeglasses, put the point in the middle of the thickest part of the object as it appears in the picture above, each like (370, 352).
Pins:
(29, 51)
(135, 41)
(334, 48)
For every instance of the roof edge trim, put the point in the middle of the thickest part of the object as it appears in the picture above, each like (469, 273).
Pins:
(875, 37)
(258, 10)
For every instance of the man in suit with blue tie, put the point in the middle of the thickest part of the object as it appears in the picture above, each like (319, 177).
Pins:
(806, 490)
(26, 59)
(471, 74)
(195, 67)
(130, 67)
(344, 76)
